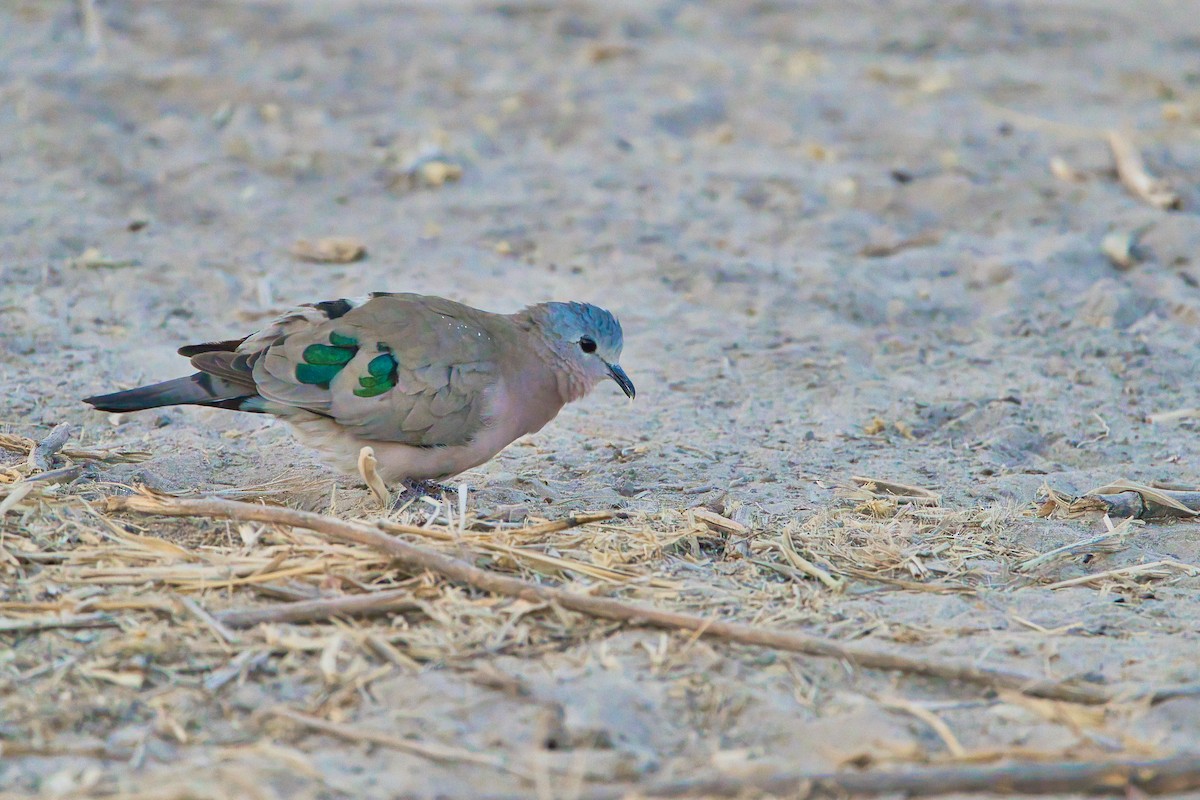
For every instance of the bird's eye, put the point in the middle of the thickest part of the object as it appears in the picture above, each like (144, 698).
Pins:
(587, 344)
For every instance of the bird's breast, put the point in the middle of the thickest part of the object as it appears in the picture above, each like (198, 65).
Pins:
(522, 405)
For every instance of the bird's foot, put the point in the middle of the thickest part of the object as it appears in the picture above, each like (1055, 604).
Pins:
(415, 490)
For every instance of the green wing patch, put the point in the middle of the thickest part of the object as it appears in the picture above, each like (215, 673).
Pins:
(322, 362)
(324, 355)
(380, 377)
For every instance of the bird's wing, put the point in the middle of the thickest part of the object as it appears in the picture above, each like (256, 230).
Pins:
(398, 368)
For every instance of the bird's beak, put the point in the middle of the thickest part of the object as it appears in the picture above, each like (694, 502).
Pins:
(617, 374)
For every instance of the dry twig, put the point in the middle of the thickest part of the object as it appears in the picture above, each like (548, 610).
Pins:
(22, 444)
(529, 557)
(572, 520)
(1172, 503)
(1123, 498)
(1108, 541)
(325, 608)
(214, 625)
(1117, 777)
(936, 723)
(897, 489)
(1131, 169)
(41, 457)
(1154, 569)
(607, 608)
(96, 620)
(788, 548)
(718, 522)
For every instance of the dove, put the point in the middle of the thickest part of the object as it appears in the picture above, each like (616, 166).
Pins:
(435, 387)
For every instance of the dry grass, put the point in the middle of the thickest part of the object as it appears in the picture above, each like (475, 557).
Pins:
(118, 618)
(107, 610)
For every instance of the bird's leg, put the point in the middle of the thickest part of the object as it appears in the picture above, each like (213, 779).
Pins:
(435, 488)
(414, 490)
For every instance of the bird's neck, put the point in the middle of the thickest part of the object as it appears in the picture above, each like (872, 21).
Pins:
(572, 384)
(569, 381)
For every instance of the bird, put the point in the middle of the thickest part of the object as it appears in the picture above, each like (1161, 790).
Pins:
(434, 386)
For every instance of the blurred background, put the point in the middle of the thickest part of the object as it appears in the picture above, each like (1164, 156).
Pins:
(806, 214)
(874, 238)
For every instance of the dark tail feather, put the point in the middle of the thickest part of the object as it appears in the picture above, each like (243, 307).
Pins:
(227, 346)
(196, 390)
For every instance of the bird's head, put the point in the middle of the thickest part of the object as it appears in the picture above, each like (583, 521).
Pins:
(587, 338)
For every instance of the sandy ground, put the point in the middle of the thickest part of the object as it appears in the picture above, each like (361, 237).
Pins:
(836, 246)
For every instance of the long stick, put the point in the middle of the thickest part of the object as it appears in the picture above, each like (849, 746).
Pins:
(606, 608)
(99, 619)
(1162, 776)
(324, 608)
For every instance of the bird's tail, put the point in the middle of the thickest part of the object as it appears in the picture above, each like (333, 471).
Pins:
(200, 389)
